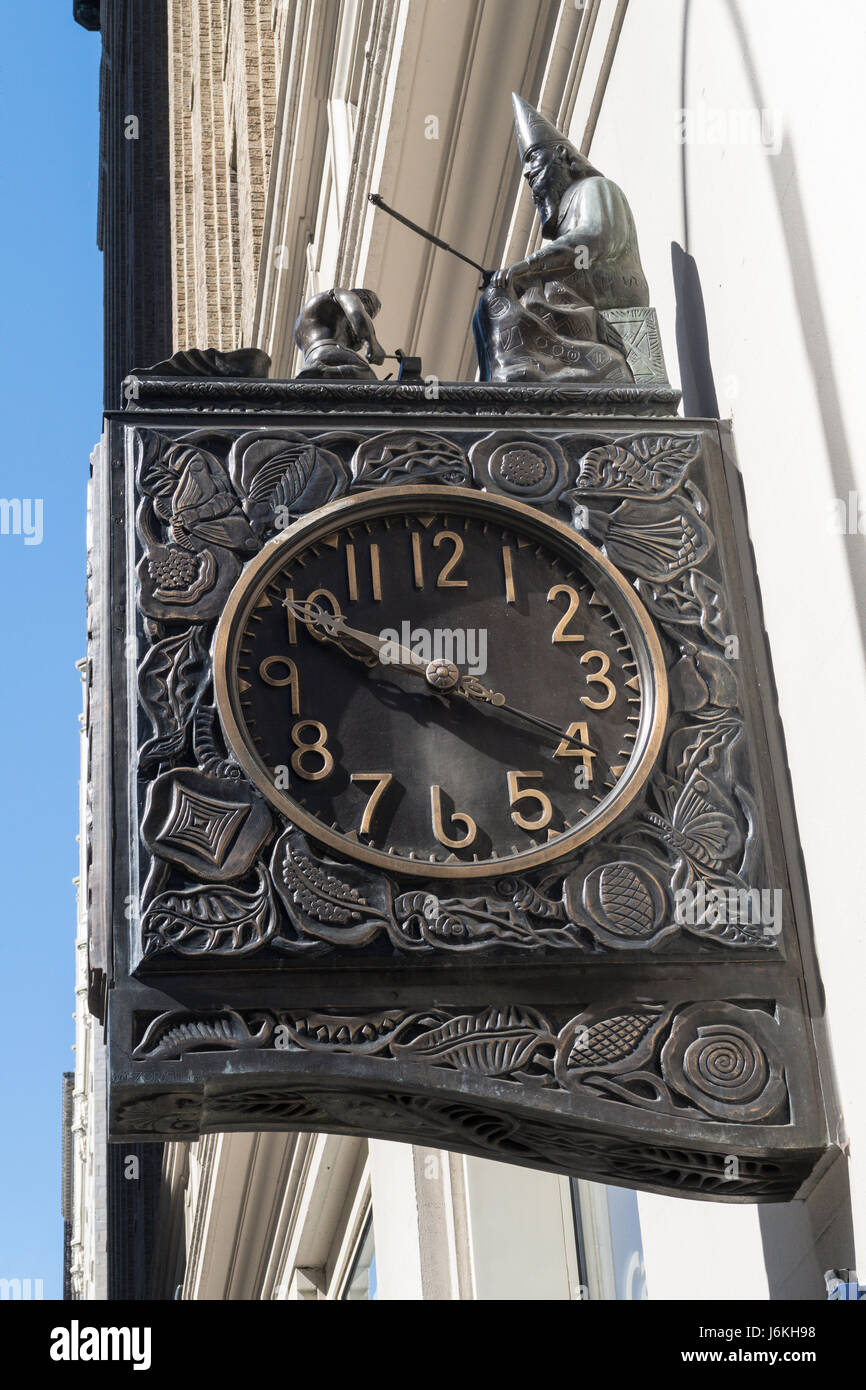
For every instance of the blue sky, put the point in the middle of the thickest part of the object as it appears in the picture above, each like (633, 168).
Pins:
(50, 369)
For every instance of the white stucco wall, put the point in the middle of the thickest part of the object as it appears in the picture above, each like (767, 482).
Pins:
(775, 233)
(775, 237)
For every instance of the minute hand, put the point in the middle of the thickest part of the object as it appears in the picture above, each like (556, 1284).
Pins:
(472, 689)
(374, 650)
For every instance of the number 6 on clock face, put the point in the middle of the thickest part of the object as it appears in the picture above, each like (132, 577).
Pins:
(459, 842)
(473, 629)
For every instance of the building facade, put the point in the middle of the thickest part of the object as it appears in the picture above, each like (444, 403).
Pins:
(241, 140)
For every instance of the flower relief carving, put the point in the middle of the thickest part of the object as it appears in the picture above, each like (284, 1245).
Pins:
(228, 875)
(191, 525)
(714, 1061)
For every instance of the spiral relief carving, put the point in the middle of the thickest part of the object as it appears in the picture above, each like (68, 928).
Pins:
(725, 1060)
(726, 1064)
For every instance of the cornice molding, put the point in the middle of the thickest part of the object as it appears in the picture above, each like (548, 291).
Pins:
(241, 394)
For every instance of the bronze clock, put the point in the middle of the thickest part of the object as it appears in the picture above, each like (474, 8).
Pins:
(441, 682)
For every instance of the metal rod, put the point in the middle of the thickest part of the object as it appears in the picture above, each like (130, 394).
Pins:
(428, 236)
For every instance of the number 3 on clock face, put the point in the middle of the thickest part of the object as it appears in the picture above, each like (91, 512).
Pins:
(440, 682)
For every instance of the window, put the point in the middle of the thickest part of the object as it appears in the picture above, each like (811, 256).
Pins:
(609, 1246)
(361, 1281)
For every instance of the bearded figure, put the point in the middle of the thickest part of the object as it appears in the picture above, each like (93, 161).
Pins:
(543, 318)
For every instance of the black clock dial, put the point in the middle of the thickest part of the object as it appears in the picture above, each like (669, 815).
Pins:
(441, 682)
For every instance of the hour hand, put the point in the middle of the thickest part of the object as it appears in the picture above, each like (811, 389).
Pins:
(313, 615)
(332, 627)
(362, 646)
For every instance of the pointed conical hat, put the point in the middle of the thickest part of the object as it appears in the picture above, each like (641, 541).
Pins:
(532, 129)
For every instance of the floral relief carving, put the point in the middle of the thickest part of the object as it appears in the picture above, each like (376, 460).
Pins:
(520, 465)
(716, 1061)
(724, 1059)
(191, 525)
(409, 456)
(209, 499)
(628, 1050)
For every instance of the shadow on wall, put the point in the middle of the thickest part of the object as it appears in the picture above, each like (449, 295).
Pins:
(786, 188)
(801, 1239)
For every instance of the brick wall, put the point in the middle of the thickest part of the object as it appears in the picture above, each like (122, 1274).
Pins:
(222, 100)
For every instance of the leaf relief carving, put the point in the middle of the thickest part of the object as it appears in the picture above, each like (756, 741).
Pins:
(171, 679)
(649, 465)
(494, 1043)
(341, 903)
(172, 1034)
(212, 921)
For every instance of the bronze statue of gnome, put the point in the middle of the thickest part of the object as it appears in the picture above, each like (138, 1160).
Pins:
(540, 319)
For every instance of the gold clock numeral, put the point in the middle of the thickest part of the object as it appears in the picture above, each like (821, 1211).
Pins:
(293, 626)
(337, 611)
(599, 677)
(304, 747)
(375, 572)
(508, 570)
(291, 679)
(457, 817)
(383, 781)
(313, 597)
(559, 632)
(417, 567)
(444, 580)
(576, 733)
(518, 794)
(352, 573)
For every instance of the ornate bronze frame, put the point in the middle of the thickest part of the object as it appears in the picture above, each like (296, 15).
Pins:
(564, 1018)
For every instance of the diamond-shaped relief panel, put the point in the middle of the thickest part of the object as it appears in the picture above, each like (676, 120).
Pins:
(212, 826)
(201, 825)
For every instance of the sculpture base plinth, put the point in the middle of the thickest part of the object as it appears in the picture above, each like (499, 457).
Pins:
(430, 398)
